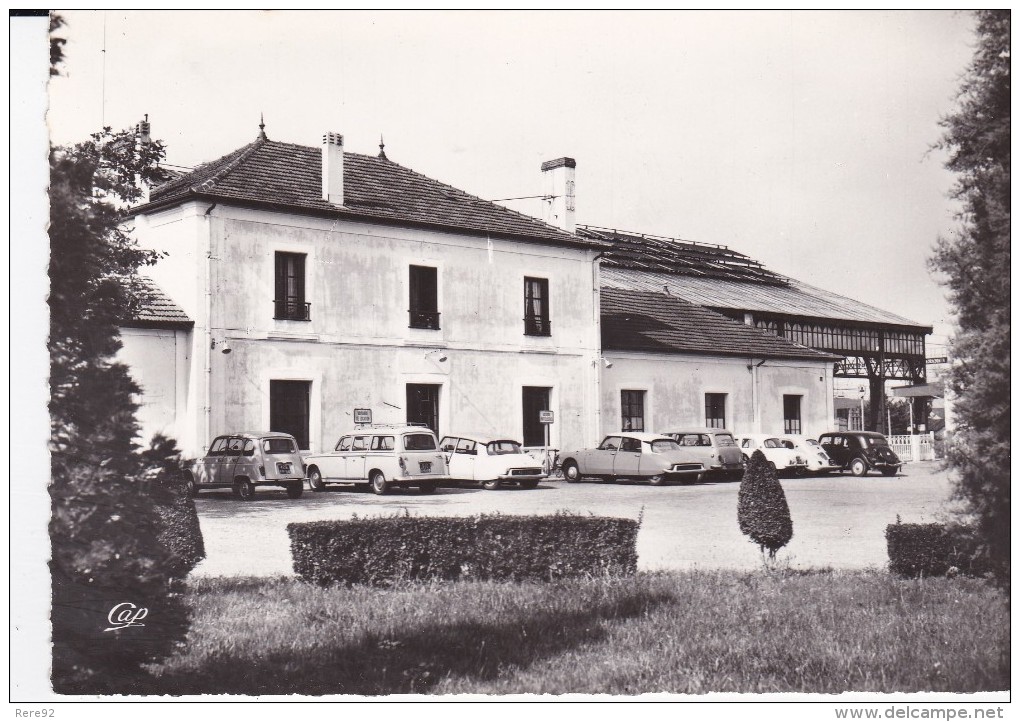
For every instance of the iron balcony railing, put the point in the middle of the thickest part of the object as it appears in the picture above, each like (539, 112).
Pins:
(292, 311)
(424, 319)
(536, 326)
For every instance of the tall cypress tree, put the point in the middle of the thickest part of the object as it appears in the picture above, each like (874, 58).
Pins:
(975, 263)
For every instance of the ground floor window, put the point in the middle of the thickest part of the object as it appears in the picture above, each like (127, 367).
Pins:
(288, 409)
(632, 410)
(791, 414)
(423, 405)
(534, 399)
(715, 411)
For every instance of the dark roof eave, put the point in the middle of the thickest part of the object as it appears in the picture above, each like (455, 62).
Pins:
(819, 356)
(193, 195)
(165, 325)
(826, 320)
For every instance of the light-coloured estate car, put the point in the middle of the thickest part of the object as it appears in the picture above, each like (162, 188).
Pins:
(633, 455)
(490, 461)
(781, 458)
(382, 457)
(245, 460)
(715, 448)
(818, 462)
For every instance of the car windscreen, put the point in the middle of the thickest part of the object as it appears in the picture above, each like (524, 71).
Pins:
(278, 446)
(811, 442)
(660, 445)
(724, 440)
(419, 442)
(772, 444)
(495, 448)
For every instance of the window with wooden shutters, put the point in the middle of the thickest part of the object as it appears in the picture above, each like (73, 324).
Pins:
(536, 307)
(424, 298)
(290, 302)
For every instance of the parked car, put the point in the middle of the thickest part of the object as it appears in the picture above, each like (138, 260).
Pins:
(860, 452)
(381, 457)
(490, 461)
(715, 448)
(818, 462)
(781, 458)
(246, 460)
(634, 455)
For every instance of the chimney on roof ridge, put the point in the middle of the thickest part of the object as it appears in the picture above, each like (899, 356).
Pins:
(559, 192)
(333, 168)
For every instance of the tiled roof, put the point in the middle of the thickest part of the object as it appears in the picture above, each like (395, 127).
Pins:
(289, 177)
(155, 309)
(794, 299)
(656, 322)
(643, 252)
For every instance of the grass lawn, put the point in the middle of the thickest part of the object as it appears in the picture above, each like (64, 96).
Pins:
(680, 632)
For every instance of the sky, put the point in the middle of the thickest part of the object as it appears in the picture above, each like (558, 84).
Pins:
(802, 139)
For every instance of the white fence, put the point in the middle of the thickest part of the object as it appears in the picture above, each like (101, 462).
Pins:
(918, 447)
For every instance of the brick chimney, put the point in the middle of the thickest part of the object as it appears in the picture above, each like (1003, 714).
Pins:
(333, 168)
(559, 186)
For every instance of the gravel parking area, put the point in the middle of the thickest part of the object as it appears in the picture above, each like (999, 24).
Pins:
(838, 521)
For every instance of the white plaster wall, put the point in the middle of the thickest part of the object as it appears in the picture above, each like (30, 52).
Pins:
(358, 350)
(480, 390)
(676, 385)
(159, 365)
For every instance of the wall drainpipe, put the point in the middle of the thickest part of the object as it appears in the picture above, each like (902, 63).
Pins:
(208, 329)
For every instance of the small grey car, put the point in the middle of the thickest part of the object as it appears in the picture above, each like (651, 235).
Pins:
(245, 460)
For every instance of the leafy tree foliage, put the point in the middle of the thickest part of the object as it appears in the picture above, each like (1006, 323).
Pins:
(56, 44)
(975, 262)
(762, 511)
(120, 536)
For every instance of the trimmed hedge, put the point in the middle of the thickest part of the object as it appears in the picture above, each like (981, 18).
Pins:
(762, 511)
(381, 551)
(934, 550)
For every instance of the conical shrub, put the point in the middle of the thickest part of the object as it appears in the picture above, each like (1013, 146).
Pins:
(762, 510)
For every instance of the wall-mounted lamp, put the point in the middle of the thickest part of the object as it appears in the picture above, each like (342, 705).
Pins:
(605, 362)
(223, 345)
(757, 365)
(442, 356)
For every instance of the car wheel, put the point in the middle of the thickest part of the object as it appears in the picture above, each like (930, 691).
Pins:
(801, 471)
(530, 484)
(773, 465)
(491, 484)
(190, 487)
(294, 491)
(379, 485)
(244, 490)
(315, 481)
(889, 472)
(657, 480)
(746, 459)
(571, 472)
(858, 467)
(427, 487)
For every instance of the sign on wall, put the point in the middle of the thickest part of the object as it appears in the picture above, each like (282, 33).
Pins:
(545, 417)
(363, 416)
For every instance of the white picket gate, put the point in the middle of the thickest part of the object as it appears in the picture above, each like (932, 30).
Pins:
(916, 447)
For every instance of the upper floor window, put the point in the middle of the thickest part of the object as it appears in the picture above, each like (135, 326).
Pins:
(791, 414)
(715, 411)
(424, 298)
(290, 288)
(632, 406)
(536, 307)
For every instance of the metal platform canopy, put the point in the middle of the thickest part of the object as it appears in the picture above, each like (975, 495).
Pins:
(875, 344)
